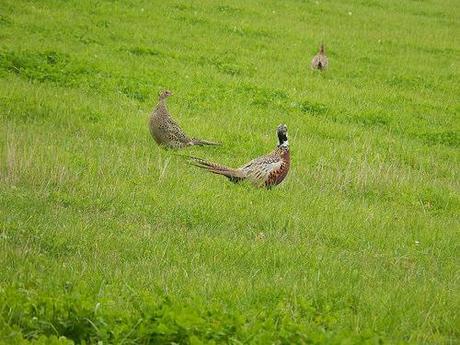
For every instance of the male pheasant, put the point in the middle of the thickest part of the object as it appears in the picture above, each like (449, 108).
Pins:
(320, 60)
(266, 171)
(166, 131)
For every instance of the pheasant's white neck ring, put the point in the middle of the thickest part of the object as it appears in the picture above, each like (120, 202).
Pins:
(284, 144)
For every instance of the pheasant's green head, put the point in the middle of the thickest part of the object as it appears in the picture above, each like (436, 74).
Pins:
(281, 131)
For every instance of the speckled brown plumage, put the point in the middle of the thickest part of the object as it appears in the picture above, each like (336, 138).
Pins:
(266, 171)
(320, 60)
(166, 131)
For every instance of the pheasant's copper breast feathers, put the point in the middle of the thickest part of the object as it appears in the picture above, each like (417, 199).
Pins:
(268, 171)
(260, 169)
(277, 175)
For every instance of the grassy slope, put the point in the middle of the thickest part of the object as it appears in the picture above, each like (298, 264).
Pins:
(360, 242)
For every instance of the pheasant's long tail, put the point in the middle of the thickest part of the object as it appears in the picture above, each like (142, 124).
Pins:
(200, 142)
(233, 175)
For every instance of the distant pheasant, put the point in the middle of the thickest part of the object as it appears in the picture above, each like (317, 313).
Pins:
(166, 131)
(265, 171)
(320, 60)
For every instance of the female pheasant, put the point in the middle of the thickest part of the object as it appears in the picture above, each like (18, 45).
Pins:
(166, 131)
(266, 171)
(320, 60)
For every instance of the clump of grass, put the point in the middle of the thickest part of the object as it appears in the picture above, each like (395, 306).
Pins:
(48, 66)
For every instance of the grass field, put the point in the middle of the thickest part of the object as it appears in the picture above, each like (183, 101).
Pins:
(106, 238)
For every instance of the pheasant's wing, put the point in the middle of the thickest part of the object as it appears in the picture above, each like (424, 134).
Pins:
(176, 133)
(324, 61)
(315, 61)
(260, 169)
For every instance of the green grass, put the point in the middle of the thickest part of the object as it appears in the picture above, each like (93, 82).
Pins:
(106, 237)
